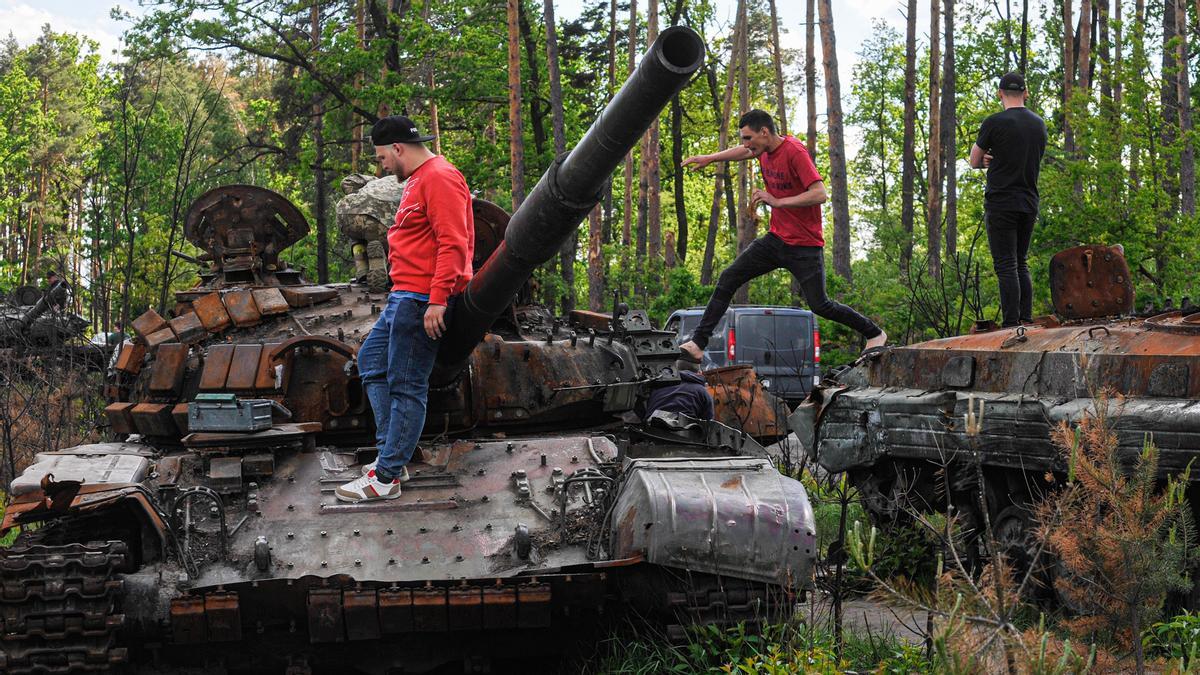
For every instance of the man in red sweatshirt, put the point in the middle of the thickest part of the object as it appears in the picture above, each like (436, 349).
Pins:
(795, 240)
(429, 256)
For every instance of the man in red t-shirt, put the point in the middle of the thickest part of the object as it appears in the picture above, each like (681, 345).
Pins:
(794, 242)
(429, 259)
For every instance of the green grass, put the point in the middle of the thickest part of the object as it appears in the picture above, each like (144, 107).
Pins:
(780, 648)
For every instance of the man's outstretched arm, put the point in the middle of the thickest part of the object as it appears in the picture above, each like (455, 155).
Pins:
(730, 154)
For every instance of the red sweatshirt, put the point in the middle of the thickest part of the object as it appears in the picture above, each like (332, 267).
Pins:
(431, 243)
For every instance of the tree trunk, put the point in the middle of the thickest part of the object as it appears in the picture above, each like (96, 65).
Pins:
(681, 214)
(1187, 157)
(567, 256)
(908, 160)
(627, 231)
(1024, 36)
(356, 124)
(595, 261)
(537, 108)
(1068, 76)
(747, 227)
(435, 127)
(650, 163)
(837, 147)
(723, 181)
(1085, 47)
(776, 57)
(1169, 100)
(1115, 70)
(612, 88)
(933, 201)
(810, 74)
(318, 111)
(1106, 78)
(516, 142)
(949, 138)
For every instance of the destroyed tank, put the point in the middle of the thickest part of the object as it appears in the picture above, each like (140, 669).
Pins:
(895, 422)
(207, 534)
(35, 325)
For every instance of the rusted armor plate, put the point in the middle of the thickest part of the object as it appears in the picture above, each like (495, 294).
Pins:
(1090, 282)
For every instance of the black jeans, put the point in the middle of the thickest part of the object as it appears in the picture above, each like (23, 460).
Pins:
(769, 253)
(1008, 234)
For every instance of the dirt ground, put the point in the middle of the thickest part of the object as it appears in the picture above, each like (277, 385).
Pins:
(866, 616)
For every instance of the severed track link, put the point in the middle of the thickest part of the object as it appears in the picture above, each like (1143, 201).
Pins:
(59, 608)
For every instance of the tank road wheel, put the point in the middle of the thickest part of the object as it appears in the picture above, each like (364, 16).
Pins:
(378, 280)
(60, 607)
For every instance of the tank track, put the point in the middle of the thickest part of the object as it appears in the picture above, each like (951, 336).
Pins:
(59, 608)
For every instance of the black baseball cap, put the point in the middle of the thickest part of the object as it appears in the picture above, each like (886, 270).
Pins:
(397, 129)
(1012, 82)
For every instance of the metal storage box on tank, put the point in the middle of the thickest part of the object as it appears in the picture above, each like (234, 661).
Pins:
(226, 412)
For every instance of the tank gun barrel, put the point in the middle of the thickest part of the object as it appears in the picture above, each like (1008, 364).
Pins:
(56, 294)
(571, 187)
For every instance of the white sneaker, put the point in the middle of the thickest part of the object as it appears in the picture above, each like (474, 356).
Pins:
(369, 469)
(367, 488)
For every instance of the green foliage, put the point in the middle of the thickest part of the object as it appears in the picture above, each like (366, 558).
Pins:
(777, 648)
(1177, 639)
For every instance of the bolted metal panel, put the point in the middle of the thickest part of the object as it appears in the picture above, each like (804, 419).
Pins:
(154, 419)
(216, 367)
(211, 312)
(729, 516)
(120, 417)
(188, 624)
(307, 296)
(131, 357)
(959, 371)
(429, 610)
(160, 337)
(362, 615)
(224, 616)
(188, 328)
(465, 608)
(325, 621)
(395, 611)
(264, 378)
(1090, 282)
(499, 607)
(149, 322)
(241, 308)
(270, 301)
(243, 369)
(170, 364)
(179, 413)
(533, 605)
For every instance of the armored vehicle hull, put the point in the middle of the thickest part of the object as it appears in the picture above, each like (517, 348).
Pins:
(897, 422)
(200, 537)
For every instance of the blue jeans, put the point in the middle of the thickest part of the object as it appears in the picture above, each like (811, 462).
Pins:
(395, 362)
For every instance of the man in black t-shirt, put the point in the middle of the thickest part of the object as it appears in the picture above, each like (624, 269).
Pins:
(1010, 146)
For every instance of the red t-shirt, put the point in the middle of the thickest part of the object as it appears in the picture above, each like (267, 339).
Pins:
(431, 243)
(788, 171)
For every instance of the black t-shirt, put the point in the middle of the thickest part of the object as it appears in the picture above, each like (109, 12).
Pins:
(1016, 139)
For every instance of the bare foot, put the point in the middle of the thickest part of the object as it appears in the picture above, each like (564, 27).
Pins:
(692, 349)
(877, 341)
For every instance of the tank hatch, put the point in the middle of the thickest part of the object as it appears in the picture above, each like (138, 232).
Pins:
(243, 229)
